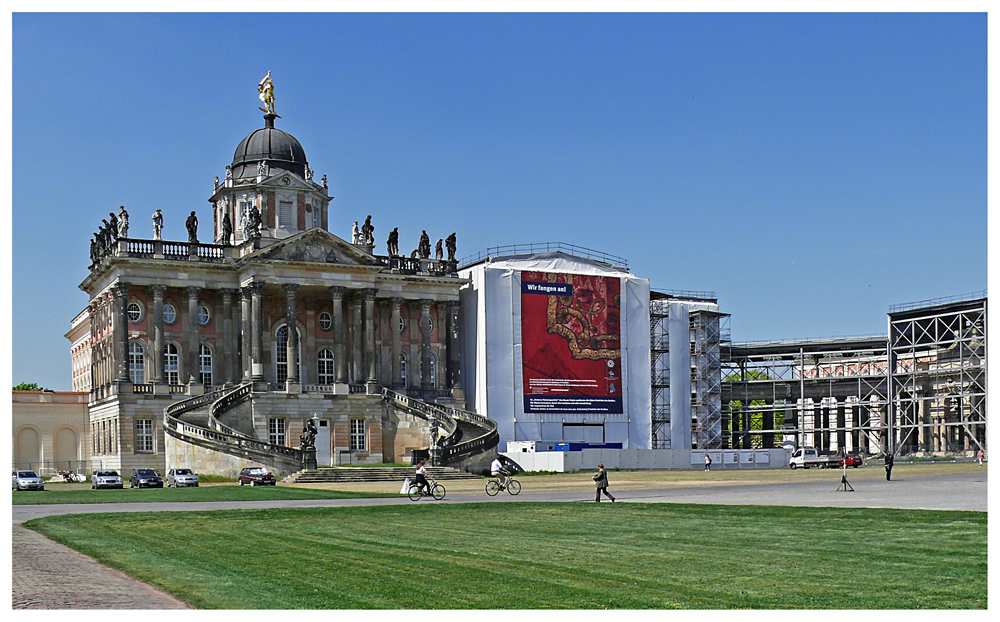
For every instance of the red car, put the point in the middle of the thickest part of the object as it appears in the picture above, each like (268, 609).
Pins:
(257, 476)
(853, 460)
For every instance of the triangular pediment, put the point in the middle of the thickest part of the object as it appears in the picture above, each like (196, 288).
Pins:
(285, 180)
(315, 246)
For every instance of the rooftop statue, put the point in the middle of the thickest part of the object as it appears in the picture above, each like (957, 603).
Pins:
(192, 226)
(157, 224)
(227, 229)
(266, 88)
(424, 248)
(122, 222)
(393, 242)
(368, 231)
(438, 251)
(449, 243)
(253, 223)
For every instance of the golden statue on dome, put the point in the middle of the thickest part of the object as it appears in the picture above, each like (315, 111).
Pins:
(266, 88)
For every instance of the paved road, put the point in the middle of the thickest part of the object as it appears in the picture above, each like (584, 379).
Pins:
(50, 576)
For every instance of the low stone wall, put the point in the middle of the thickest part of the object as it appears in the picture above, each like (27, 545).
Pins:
(180, 454)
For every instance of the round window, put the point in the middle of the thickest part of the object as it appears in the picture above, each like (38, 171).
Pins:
(203, 315)
(325, 321)
(169, 313)
(134, 311)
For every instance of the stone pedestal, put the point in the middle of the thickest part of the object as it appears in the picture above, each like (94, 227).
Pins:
(195, 388)
(293, 388)
(161, 388)
(309, 458)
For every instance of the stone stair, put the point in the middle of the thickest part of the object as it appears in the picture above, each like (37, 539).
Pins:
(374, 474)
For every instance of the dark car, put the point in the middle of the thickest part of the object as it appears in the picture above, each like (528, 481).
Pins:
(145, 478)
(257, 476)
(853, 460)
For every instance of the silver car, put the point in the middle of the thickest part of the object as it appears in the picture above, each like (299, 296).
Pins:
(106, 479)
(181, 477)
(26, 480)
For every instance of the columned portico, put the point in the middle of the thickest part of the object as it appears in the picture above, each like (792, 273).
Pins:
(339, 349)
(293, 334)
(227, 337)
(426, 381)
(356, 352)
(192, 334)
(157, 292)
(370, 321)
(121, 332)
(256, 332)
(397, 346)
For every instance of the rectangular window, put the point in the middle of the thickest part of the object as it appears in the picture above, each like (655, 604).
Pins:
(144, 436)
(286, 215)
(358, 435)
(276, 431)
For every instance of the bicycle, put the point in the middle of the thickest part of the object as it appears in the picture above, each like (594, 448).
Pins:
(511, 485)
(433, 489)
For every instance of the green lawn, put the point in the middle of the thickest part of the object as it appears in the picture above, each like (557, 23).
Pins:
(232, 492)
(546, 556)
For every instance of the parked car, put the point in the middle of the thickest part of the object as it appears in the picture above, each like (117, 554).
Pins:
(257, 476)
(26, 480)
(181, 477)
(145, 478)
(106, 479)
(853, 460)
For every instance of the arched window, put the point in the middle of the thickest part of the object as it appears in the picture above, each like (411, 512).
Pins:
(205, 365)
(402, 368)
(171, 364)
(324, 366)
(433, 370)
(136, 362)
(281, 354)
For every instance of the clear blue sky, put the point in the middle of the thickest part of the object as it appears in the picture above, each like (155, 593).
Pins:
(810, 169)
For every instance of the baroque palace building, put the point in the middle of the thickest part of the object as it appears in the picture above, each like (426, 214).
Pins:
(216, 353)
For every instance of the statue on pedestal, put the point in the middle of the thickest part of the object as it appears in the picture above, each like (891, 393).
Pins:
(122, 222)
(227, 229)
(355, 234)
(392, 245)
(438, 250)
(253, 224)
(157, 224)
(266, 89)
(368, 232)
(192, 227)
(308, 437)
(449, 243)
(424, 248)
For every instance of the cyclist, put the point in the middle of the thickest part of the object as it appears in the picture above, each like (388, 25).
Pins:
(499, 472)
(421, 478)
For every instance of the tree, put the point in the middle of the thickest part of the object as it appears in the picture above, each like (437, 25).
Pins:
(29, 386)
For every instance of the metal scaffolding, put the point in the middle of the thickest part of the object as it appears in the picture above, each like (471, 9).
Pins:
(922, 389)
(937, 357)
(709, 334)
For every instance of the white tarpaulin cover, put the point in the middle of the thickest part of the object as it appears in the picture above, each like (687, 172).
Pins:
(492, 365)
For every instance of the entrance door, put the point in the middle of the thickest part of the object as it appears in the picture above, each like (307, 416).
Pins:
(323, 454)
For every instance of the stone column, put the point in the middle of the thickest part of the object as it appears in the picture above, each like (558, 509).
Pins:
(245, 331)
(157, 292)
(192, 345)
(227, 337)
(397, 346)
(121, 331)
(339, 349)
(256, 332)
(426, 381)
(355, 330)
(454, 351)
(293, 334)
(370, 321)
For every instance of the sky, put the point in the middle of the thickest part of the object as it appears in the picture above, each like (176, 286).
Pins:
(809, 169)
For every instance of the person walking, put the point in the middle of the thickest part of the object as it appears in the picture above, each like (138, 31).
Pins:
(708, 461)
(888, 466)
(980, 456)
(601, 479)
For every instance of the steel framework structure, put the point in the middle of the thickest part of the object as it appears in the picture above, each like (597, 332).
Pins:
(937, 356)
(920, 389)
(709, 335)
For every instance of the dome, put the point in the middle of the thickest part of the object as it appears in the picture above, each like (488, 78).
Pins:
(279, 149)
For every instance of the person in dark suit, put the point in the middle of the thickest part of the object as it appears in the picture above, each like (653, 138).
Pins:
(888, 466)
(601, 479)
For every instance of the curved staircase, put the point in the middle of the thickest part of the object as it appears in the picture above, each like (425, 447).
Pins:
(375, 474)
(460, 433)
